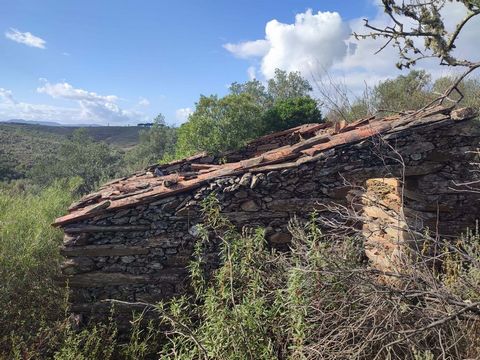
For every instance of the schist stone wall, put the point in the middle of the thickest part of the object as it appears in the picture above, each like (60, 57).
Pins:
(139, 253)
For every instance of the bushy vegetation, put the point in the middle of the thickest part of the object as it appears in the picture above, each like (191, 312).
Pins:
(22, 147)
(220, 124)
(321, 300)
(291, 112)
(34, 306)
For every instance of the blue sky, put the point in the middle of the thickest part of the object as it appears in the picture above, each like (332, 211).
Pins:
(122, 62)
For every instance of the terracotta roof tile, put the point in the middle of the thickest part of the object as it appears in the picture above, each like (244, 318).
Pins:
(302, 143)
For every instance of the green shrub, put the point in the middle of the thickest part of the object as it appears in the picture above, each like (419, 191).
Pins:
(255, 306)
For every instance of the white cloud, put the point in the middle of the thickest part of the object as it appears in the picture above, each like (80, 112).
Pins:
(25, 38)
(182, 114)
(143, 102)
(248, 49)
(7, 96)
(92, 106)
(87, 107)
(322, 42)
(67, 91)
(314, 42)
(10, 108)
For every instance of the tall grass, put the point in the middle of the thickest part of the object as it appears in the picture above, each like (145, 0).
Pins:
(34, 316)
(29, 259)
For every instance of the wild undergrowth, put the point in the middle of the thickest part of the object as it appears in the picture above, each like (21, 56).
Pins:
(320, 300)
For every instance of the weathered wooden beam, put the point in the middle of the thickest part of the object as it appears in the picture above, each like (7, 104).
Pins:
(98, 279)
(101, 279)
(104, 250)
(111, 228)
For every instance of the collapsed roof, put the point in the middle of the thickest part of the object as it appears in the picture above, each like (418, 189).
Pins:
(286, 149)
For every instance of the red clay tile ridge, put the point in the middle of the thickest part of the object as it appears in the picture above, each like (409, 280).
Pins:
(281, 150)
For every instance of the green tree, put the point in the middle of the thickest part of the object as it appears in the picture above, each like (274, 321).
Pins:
(249, 111)
(288, 85)
(254, 88)
(155, 144)
(220, 124)
(284, 85)
(291, 112)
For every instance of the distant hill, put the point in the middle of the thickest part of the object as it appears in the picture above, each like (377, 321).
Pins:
(21, 121)
(46, 123)
(23, 144)
(123, 137)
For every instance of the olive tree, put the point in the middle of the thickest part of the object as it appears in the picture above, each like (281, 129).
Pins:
(418, 30)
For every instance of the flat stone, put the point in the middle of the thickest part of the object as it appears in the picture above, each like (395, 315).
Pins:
(127, 259)
(296, 204)
(245, 179)
(256, 180)
(306, 187)
(280, 238)
(423, 168)
(250, 205)
(241, 194)
(75, 240)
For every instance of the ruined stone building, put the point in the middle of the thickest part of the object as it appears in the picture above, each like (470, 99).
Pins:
(133, 238)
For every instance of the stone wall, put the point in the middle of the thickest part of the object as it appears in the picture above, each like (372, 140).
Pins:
(140, 253)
